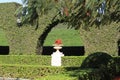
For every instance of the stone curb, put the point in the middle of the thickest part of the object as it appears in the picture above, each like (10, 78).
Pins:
(4, 78)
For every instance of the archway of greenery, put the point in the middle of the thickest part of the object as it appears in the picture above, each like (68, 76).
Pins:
(94, 19)
(69, 36)
(44, 35)
(26, 42)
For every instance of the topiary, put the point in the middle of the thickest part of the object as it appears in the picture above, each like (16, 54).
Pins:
(102, 61)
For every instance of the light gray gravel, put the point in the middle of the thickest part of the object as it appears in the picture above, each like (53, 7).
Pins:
(2, 78)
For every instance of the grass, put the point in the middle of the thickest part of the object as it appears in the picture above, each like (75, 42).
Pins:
(58, 77)
(3, 39)
(69, 37)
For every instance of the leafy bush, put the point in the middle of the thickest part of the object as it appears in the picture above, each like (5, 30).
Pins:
(21, 40)
(102, 61)
(101, 39)
(30, 71)
(91, 74)
(73, 61)
(96, 60)
(32, 66)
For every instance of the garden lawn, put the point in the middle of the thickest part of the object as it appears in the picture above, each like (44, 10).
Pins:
(58, 77)
(69, 37)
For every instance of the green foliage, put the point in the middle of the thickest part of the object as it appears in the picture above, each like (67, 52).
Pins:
(77, 13)
(40, 60)
(3, 39)
(29, 71)
(85, 14)
(102, 61)
(91, 74)
(66, 35)
(25, 59)
(24, 40)
(96, 60)
(36, 9)
(38, 68)
(102, 39)
(21, 40)
(117, 60)
(58, 77)
(72, 60)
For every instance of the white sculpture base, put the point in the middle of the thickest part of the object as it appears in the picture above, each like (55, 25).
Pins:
(56, 57)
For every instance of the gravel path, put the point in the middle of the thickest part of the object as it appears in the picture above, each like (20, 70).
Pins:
(2, 78)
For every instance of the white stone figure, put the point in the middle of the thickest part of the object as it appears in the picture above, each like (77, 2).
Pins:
(56, 57)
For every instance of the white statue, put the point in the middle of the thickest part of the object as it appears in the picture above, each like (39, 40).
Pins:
(56, 56)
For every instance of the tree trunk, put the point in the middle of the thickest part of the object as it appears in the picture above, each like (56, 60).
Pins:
(43, 36)
(103, 39)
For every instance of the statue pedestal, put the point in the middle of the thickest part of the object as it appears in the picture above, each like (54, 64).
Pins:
(56, 57)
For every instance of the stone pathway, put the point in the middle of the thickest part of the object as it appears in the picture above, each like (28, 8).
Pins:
(2, 78)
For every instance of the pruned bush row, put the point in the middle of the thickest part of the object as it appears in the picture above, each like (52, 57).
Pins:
(40, 60)
(94, 74)
(103, 66)
(25, 71)
(106, 65)
(36, 72)
(44, 60)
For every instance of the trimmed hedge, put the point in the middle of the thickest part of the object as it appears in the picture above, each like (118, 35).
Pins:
(36, 72)
(40, 60)
(103, 62)
(25, 60)
(44, 60)
(103, 39)
(93, 74)
(31, 66)
(23, 40)
(29, 71)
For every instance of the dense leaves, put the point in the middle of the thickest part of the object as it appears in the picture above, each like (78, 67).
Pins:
(77, 13)
(102, 61)
(95, 13)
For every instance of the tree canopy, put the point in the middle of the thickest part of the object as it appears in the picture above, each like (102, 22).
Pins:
(77, 13)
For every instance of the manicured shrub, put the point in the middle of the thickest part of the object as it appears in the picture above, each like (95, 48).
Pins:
(73, 61)
(91, 74)
(30, 71)
(31, 66)
(103, 39)
(117, 60)
(102, 61)
(96, 60)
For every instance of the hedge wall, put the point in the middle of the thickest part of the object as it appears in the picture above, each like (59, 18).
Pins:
(72, 61)
(31, 66)
(22, 40)
(25, 71)
(102, 39)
